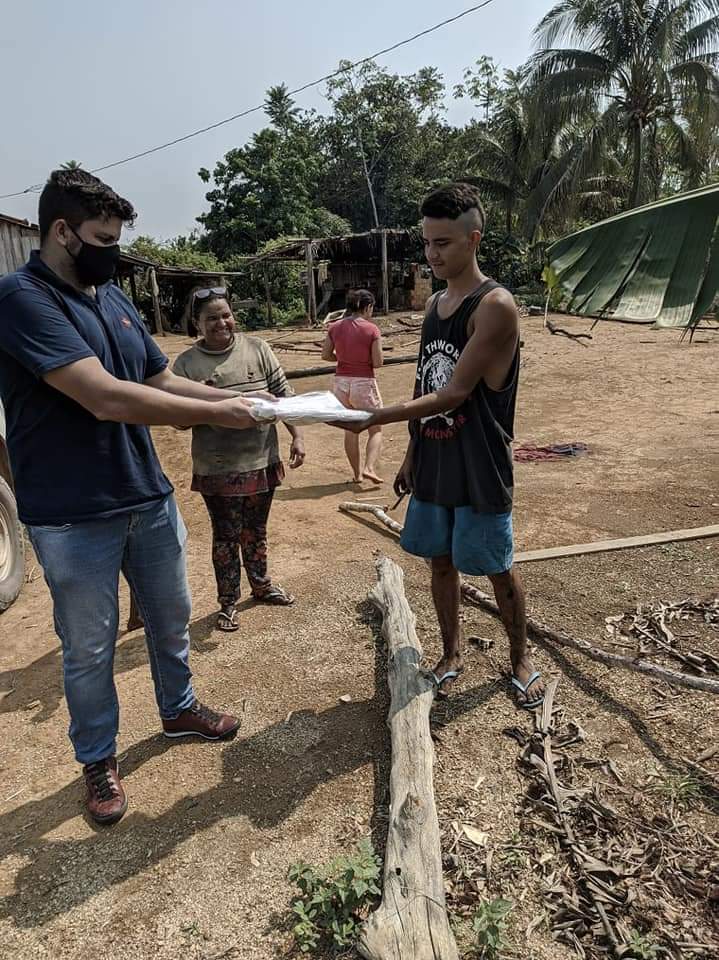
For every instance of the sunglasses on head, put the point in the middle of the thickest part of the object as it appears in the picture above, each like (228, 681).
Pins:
(210, 292)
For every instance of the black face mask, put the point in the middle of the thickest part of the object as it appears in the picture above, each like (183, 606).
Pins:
(95, 265)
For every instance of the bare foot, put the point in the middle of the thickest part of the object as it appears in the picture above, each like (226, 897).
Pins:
(523, 668)
(371, 475)
(446, 665)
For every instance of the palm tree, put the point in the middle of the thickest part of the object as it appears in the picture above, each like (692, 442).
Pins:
(529, 167)
(646, 68)
(501, 157)
(71, 165)
(280, 107)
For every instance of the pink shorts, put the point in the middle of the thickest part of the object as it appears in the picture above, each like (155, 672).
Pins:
(361, 393)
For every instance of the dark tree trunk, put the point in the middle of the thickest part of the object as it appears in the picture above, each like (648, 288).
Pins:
(637, 164)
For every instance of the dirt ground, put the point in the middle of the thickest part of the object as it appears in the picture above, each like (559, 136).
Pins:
(197, 868)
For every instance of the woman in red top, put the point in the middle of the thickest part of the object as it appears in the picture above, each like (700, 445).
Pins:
(356, 344)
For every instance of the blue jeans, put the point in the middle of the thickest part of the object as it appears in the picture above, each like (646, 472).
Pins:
(82, 564)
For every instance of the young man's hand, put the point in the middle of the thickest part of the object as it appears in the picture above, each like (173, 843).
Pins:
(403, 481)
(297, 453)
(358, 426)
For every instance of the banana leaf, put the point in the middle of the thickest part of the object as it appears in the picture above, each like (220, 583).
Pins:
(656, 264)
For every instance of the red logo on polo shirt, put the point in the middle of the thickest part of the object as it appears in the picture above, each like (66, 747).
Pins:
(125, 322)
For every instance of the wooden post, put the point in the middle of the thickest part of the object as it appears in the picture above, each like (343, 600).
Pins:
(268, 298)
(411, 921)
(156, 303)
(385, 274)
(133, 286)
(311, 298)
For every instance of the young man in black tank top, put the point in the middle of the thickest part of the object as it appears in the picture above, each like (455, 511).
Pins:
(458, 465)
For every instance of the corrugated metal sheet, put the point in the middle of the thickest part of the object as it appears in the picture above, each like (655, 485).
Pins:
(657, 263)
(17, 239)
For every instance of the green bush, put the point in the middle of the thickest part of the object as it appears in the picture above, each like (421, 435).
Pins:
(507, 260)
(294, 311)
(335, 898)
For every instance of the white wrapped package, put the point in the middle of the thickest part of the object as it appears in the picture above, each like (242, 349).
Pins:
(320, 407)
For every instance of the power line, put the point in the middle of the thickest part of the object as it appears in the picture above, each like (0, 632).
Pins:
(245, 113)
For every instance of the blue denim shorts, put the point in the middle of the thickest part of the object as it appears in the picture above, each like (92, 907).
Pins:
(480, 544)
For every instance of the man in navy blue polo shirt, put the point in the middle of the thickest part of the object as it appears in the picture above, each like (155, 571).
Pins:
(80, 380)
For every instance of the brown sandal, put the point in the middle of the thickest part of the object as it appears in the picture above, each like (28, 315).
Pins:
(275, 597)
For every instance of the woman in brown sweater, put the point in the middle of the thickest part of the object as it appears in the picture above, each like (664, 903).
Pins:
(237, 476)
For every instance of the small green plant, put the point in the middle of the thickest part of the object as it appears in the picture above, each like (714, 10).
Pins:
(641, 947)
(553, 288)
(334, 899)
(191, 930)
(512, 854)
(490, 927)
(682, 792)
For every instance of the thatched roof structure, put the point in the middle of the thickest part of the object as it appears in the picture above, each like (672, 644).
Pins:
(402, 245)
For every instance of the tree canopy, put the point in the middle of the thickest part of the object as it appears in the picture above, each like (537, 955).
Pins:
(618, 104)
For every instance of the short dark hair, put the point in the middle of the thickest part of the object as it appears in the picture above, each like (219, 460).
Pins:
(77, 196)
(359, 300)
(451, 201)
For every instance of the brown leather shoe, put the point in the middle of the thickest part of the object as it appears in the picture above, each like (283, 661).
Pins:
(200, 721)
(106, 801)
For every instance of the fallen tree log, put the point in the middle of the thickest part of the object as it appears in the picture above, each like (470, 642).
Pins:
(320, 371)
(539, 630)
(411, 922)
(297, 348)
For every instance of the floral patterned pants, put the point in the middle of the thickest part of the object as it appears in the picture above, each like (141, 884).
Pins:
(239, 526)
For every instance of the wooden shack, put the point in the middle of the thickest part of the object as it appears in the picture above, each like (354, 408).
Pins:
(390, 263)
(160, 293)
(163, 293)
(17, 239)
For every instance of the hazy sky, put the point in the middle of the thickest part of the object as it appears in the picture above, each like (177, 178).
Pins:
(95, 81)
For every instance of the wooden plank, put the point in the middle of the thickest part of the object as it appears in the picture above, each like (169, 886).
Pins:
(385, 274)
(159, 329)
(133, 287)
(5, 263)
(16, 249)
(572, 550)
(625, 543)
(311, 298)
(268, 298)
(29, 243)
